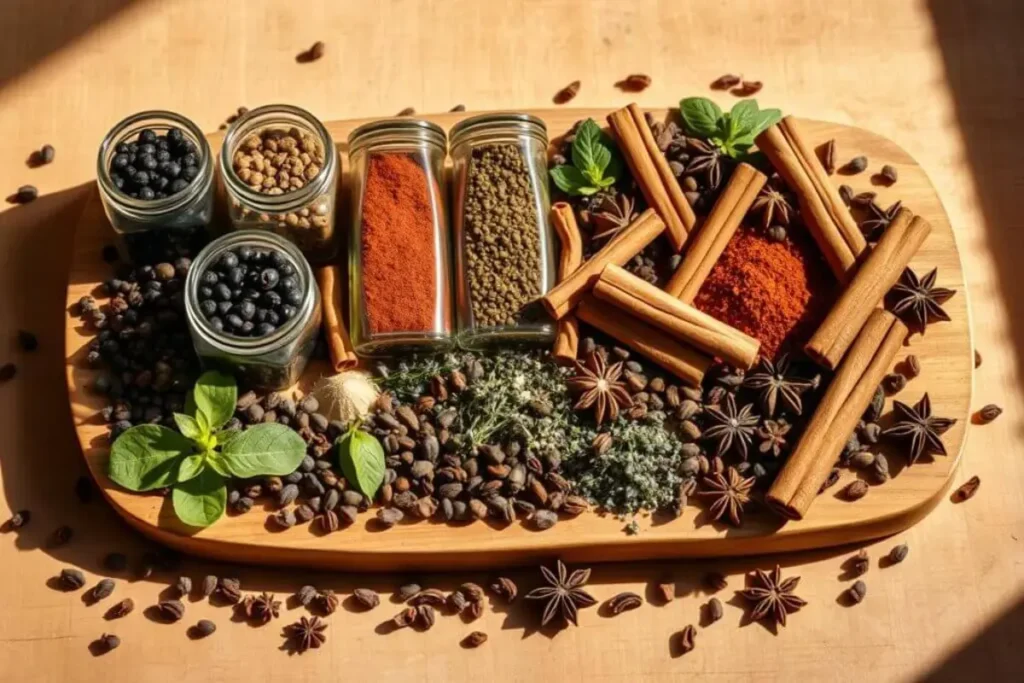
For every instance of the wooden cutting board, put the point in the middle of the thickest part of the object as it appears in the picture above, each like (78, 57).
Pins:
(946, 355)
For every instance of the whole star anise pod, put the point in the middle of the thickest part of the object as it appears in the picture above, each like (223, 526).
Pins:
(772, 595)
(731, 427)
(262, 607)
(775, 209)
(919, 428)
(564, 593)
(728, 494)
(613, 214)
(880, 219)
(306, 633)
(773, 436)
(597, 385)
(707, 159)
(919, 299)
(777, 383)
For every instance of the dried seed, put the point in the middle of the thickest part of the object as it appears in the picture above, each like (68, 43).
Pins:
(623, 602)
(108, 642)
(830, 480)
(602, 442)
(725, 82)
(686, 637)
(171, 610)
(121, 609)
(855, 165)
(667, 590)
(714, 610)
(894, 383)
(425, 616)
(204, 628)
(183, 586)
(473, 591)
(967, 490)
(988, 413)
(408, 590)
(574, 505)
(26, 194)
(977, 359)
(889, 174)
(715, 581)
(405, 618)
(748, 88)
(428, 596)
(367, 599)
(329, 522)
(567, 93)
(475, 639)
(899, 553)
(862, 459)
(102, 590)
(327, 601)
(828, 159)
(634, 83)
(863, 199)
(46, 154)
(846, 194)
(209, 585)
(856, 592)
(855, 490)
(457, 601)
(230, 590)
(505, 588)
(475, 610)
(313, 53)
(911, 367)
(458, 108)
(306, 595)
(859, 563)
(544, 519)
(18, 520)
(408, 111)
(881, 468)
(71, 579)
(389, 517)
(61, 536)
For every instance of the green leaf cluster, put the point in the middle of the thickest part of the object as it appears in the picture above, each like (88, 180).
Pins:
(733, 133)
(362, 460)
(596, 164)
(196, 459)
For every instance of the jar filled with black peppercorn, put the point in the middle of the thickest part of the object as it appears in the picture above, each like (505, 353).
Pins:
(155, 175)
(253, 308)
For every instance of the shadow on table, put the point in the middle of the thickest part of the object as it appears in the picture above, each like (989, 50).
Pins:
(994, 654)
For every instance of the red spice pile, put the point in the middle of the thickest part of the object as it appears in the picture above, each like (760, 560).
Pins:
(777, 292)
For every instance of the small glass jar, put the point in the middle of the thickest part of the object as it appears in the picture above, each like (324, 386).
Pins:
(399, 264)
(162, 229)
(275, 361)
(304, 215)
(504, 246)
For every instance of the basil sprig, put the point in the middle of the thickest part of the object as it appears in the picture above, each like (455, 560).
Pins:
(196, 459)
(362, 460)
(596, 164)
(734, 132)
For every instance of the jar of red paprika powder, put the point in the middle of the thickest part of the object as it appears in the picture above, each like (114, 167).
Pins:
(399, 270)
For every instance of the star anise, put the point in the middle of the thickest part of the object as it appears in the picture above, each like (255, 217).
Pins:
(919, 299)
(564, 593)
(728, 494)
(774, 207)
(705, 158)
(732, 428)
(598, 387)
(773, 435)
(262, 607)
(306, 633)
(773, 596)
(612, 216)
(880, 219)
(775, 382)
(918, 426)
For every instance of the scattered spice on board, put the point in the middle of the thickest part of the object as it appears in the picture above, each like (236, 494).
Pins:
(725, 82)
(917, 301)
(772, 595)
(563, 595)
(567, 93)
(967, 489)
(634, 83)
(987, 414)
(918, 429)
(686, 639)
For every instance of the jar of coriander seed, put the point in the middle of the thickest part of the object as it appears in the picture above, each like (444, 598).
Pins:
(280, 169)
(504, 246)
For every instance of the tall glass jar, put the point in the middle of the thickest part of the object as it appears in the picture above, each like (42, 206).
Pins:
(277, 360)
(304, 211)
(159, 229)
(399, 266)
(504, 246)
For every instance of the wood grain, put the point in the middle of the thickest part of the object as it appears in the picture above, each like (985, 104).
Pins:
(945, 353)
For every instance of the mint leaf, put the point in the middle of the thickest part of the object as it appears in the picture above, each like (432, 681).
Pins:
(568, 179)
(190, 466)
(743, 118)
(145, 457)
(266, 449)
(589, 153)
(766, 119)
(200, 501)
(215, 395)
(189, 427)
(701, 116)
(362, 460)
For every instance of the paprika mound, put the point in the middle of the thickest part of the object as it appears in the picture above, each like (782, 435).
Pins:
(777, 292)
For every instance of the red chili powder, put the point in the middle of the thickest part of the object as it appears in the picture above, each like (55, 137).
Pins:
(399, 248)
(777, 292)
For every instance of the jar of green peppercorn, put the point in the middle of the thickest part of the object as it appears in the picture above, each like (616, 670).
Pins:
(504, 246)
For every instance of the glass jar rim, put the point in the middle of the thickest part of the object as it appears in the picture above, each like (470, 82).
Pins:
(127, 126)
(404, 128)
(286, 201)
(209, 255)
(487, 123)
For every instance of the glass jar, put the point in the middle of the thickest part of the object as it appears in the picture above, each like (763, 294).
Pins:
(304, 215)
(399, 264)
(504, 247)
(161, 229)
(277, 360)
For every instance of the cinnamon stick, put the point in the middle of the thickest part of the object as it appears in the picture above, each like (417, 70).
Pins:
(564, 296)
(878, 273)
(843, 404)
(652, 173)
(684, 362)
(343, 355)
(827, 218)
(657, 308)
(567, 336)
(715, 233)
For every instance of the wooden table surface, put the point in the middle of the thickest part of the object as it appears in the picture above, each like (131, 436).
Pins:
(941, 78)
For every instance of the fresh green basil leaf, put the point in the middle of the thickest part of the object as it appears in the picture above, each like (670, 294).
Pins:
(616, 169)
(568, 178)
(266, 449)
(216, 461)
(215, 395)
(605, 182)
(145, 457)
(586, 190)
(189, 427)
(200, 501)
(743, 118)
(362, 460)
(225, 436)
(190, 466)
(589, 153)
(766, 119)
(701, 116)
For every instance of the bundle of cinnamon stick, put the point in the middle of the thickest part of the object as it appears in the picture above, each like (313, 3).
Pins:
(343, 355)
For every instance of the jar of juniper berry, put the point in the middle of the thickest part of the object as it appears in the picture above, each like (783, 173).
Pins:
(260, 332)
(155, 176)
